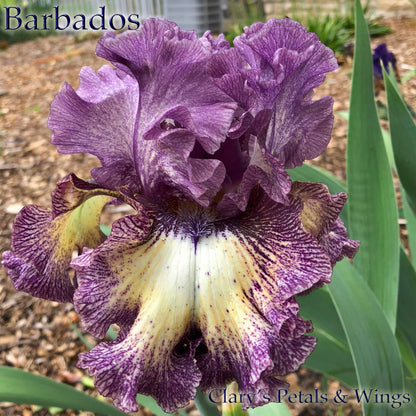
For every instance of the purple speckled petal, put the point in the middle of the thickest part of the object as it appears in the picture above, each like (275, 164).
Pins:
(337, 244)
(285, 64)
(320, 217)
(249, 320)
(226, 310)
(43, 241)
(120, 282)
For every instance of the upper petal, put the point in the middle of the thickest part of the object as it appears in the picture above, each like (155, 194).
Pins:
(99, 118)
(285, 64)
(171, 68)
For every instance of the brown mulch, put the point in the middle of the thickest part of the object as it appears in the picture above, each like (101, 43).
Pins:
(35, 335)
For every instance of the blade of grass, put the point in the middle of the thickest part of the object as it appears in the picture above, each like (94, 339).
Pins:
(407, 299)
(205, 407)
(273, 409)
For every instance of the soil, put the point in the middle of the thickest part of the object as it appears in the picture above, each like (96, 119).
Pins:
(36, 335)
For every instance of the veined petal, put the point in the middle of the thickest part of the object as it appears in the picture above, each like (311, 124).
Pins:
(337, 244)
(320, 208)
(210, 299)
(285, 64)
(171, 69)
(246, 310)
(320, 217)
(146, 285)
(168, 168)
(99, 118)
(43, 241)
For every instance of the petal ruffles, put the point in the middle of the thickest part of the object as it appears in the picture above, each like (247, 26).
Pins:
(43, 241)
(210, 299)
(277, 66)
(196, 137)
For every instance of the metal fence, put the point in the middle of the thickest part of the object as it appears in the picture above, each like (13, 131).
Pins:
(144, 8)
(304, 7)
(199, 15)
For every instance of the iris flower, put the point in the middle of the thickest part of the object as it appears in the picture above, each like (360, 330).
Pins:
(196, 137)
(382, 55)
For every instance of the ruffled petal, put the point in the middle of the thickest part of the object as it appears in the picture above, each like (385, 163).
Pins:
(247, 275)
(99, 118)
(146, 285)
(43, 241)
(171, 68)
(320, 217)
(320, 208)
(285, 64)
(169, 170)
(226, 311)
(337, 244)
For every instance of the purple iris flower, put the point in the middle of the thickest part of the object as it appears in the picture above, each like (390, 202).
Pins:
(382, 55)
(195, 136)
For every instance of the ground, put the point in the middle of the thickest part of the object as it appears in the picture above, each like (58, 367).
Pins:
(36, 335)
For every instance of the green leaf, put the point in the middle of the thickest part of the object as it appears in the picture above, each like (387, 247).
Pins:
(406, 307)
(105, 229)
(204, 405)
(407, 76)
(372, 343)
(410, 226)
(407, 353)
(403, 138)
(22, 387)
(372, 207)
(332, 355)
(272, 409)
(386, 138)
(310, 173)
(150, 403)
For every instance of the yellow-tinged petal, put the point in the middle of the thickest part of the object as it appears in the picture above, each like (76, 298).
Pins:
(198, 299)
(43, 241)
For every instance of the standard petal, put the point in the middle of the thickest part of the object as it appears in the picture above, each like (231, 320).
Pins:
(285, 64)
(264, 170)
(171, 68)
(168, 168)
(99, 118)
(43, 241)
